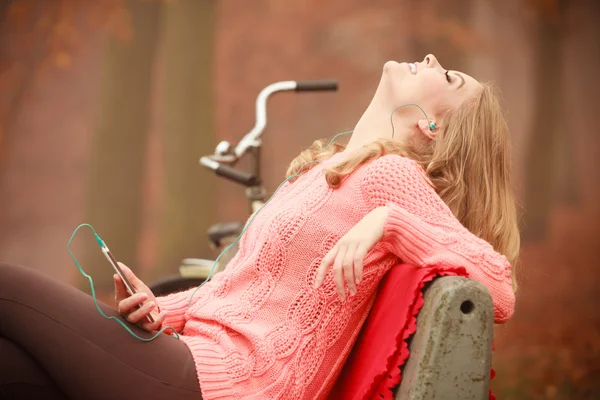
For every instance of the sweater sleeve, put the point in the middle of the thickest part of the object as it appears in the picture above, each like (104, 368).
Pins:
(421, 230)
(175, 305)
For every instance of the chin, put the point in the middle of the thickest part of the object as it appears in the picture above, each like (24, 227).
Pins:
(396, 70)
(390, 65)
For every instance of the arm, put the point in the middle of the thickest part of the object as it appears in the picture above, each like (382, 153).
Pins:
(421, 229)
(175, 305)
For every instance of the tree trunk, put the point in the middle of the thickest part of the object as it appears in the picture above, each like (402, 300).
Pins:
(550, 174)
(4, 7)
(565, 178)
(188, 189)
(119, 147)
(28, 65)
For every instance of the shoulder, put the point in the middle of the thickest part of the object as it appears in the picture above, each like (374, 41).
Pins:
(392, 161)
(401, 180)
(394, 169)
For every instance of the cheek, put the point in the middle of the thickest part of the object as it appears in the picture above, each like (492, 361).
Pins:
(434, 93)
(433, 87)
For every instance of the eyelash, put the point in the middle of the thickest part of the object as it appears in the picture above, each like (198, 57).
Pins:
(448, 77)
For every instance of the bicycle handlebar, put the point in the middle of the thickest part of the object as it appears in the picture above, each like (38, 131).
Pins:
(251, 138)
(224, 151)
(325, 84)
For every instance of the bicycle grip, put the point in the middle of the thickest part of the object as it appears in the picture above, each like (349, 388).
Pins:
(324, 84)
(241, 177)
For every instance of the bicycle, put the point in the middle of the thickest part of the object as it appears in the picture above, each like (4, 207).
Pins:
(194, 271)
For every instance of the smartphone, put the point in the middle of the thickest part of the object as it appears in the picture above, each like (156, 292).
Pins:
(130, 288)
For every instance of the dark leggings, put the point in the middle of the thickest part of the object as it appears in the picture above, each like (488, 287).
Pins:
(55, 345)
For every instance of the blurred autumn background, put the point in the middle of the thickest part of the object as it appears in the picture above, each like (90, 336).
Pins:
(106, 106)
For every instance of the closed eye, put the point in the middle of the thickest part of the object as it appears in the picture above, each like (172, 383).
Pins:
(448, 77)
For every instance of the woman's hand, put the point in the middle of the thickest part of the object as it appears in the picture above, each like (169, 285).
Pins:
(127, 305)
(348, 254)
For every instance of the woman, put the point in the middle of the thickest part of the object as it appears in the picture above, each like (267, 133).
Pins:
(279, 322)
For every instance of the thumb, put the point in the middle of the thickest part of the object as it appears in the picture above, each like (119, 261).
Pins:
(131, 276)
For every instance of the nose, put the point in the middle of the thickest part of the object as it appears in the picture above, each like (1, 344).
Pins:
(431, 61)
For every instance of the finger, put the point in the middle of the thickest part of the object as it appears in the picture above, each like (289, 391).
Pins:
(338, 273)
(135, 281)
(120, 290)
(348, 267)
(325, 264)
(157, 324)
(359, 257)
(137, 315)
(127, 305)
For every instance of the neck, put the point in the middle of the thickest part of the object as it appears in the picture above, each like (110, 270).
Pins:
(375, 124)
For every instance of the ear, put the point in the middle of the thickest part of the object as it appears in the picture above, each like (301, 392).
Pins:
(425, 127)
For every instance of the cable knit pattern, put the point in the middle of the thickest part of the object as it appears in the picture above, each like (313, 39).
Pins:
(258, 330)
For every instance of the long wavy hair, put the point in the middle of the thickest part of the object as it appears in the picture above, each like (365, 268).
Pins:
(468, 164)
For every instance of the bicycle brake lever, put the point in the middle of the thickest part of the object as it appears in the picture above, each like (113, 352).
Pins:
(224, 159)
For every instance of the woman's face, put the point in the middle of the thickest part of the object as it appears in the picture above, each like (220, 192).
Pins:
(427, 84)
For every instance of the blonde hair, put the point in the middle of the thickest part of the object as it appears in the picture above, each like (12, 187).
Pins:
(468, 164)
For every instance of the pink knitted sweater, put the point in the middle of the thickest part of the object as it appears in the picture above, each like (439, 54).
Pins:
(258, 330)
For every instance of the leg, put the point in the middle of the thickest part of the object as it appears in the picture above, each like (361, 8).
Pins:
(86, 355)
(21, 378)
